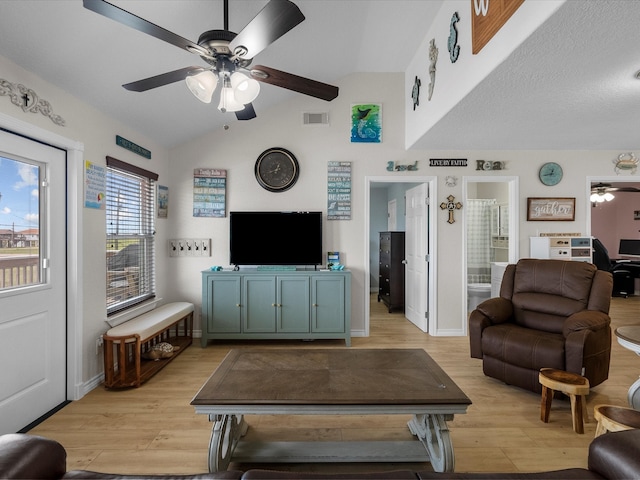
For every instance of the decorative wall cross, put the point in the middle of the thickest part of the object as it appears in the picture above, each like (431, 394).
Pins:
(451, 205)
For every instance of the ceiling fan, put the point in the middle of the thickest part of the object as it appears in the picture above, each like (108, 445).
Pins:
(601, 192)
(227, 55)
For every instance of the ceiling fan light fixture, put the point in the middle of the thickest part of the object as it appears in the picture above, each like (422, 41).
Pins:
(600, 196)
(228, 102)
(245, 89)
(202, 85)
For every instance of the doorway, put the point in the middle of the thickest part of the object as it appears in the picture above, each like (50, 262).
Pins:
(373, 225)
(615, 216)
(490, 234)
(70, 211)
(33, 280)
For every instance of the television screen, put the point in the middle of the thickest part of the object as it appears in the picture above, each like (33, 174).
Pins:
(629, 247)
(276, 238)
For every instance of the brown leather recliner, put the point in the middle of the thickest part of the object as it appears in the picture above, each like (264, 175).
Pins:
(550, 313)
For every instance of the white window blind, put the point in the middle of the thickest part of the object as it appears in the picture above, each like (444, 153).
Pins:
(130, 194)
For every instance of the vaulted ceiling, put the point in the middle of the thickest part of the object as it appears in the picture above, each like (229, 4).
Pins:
(571, 85)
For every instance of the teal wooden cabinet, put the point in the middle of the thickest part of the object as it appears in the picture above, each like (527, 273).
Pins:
(223, 304)
(327, 303)
(253, 304)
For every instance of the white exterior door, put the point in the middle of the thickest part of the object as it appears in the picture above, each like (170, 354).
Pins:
(416, 250)
(32, 280)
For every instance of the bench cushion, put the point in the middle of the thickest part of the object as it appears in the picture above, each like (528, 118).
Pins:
(149, 324)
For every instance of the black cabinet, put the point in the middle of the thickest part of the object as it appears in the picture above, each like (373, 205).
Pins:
(391, 289)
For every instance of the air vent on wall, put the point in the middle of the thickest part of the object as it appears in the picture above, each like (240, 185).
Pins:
(309, 118)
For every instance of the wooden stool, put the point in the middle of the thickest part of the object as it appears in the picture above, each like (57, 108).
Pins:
(571, 384)
(615, 419)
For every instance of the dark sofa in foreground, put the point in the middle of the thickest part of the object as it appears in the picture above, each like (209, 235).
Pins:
(611, 456)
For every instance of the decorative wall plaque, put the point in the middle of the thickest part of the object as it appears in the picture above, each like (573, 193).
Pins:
(451, 206)
(433, 59)
(28, 100)
(452, 45)
(487, 18)
(551, 209)
(447, 162)
(209, 192)
(393, 166)
(415, 92)
(489, 165)
(626, 163)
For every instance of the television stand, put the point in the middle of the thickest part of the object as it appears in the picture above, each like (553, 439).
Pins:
(256, 304)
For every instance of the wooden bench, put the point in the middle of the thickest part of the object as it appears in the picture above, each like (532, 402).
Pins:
(126, 345)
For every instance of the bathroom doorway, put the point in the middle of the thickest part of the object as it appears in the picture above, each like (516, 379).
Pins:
(490, 230)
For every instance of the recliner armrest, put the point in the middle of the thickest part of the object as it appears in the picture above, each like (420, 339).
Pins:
(490, 312)
(585, 320)
(31, 456)
(497, 310)
(616, 455)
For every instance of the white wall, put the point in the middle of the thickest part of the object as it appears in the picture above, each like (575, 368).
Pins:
(237, 149)
(97, 132)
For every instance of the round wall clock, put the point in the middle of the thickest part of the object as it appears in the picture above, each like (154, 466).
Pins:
(550, 173)
(277, 169)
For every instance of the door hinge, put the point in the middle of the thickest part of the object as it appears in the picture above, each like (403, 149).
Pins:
(426, 201)
(427, 258)
(45, 263)
(45, 183)
(426, 315)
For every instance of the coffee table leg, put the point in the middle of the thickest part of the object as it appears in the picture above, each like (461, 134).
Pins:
(634, 395)
(433, 432)
(225, 434)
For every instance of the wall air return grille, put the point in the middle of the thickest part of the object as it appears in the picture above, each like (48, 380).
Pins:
(312, 118)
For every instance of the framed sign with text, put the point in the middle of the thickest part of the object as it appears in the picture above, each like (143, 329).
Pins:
(551, 209)
(487, 18)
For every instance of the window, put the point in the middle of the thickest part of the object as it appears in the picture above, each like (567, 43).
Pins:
(20, 254)
(130, 197)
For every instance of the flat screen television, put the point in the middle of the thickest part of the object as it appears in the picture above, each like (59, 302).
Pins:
(276, 238)
(629, 247)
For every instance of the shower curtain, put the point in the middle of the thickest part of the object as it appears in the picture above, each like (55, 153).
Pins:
(479, 252)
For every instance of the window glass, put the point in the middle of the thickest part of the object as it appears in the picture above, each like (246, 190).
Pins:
(20, 263)
(130, 239)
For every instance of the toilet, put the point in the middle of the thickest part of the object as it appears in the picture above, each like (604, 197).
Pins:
(476, 294)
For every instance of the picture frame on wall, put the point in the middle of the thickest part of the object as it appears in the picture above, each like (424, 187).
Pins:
(366, 123)
(554, 209)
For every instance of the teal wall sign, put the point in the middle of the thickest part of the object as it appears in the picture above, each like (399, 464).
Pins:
(129, 145)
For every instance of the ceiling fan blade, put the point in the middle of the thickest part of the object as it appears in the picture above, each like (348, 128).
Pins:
(272, 22)
(161, 80)
(247, 113)
(293, 82)
(130, 20)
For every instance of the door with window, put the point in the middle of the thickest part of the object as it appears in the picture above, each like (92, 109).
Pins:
(32, 280)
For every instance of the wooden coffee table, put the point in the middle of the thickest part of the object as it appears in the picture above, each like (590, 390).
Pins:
(629, 337)
(330, 382)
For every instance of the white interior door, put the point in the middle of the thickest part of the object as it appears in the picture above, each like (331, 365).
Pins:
(32, 280)
(416, 250)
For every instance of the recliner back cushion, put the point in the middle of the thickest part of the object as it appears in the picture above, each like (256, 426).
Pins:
(545, 292)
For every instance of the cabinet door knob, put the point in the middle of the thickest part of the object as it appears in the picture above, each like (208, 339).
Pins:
(315, 304)
(238, 305)
(274, 305)
(404, 262)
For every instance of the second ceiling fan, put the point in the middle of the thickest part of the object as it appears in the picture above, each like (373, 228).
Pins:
(228, 55)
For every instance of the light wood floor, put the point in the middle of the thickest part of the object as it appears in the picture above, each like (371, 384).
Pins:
(153, 429)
